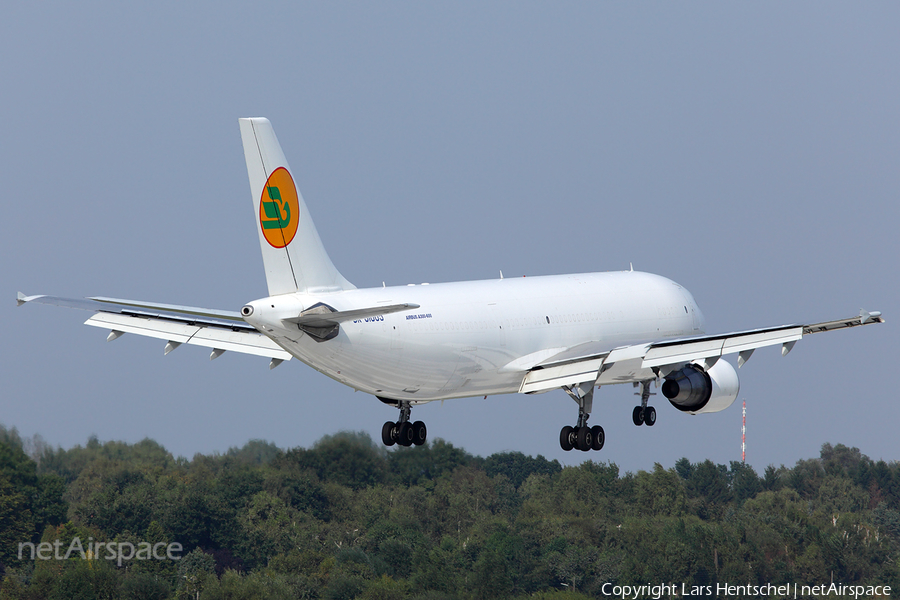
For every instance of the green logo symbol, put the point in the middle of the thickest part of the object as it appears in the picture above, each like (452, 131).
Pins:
(277, 211)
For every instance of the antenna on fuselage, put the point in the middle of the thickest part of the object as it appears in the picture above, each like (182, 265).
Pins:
(501, 273)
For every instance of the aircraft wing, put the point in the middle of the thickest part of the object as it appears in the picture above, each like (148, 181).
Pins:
(592, 362)
(219, 330)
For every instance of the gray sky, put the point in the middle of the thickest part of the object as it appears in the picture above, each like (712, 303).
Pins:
(748, 151)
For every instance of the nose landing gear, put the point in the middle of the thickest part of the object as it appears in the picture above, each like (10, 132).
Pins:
(643, 414)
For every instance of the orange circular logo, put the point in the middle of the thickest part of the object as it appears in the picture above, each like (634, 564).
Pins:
(279, 209)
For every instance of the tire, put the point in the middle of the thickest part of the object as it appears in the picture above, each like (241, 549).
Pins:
(585, 439)
(637, 416)
(598, 437)
(650, 416)
(565, 438)
(406, 434)
(387, 433)
(420, 432)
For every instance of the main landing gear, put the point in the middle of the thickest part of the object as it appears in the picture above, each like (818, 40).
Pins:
(643, 414)
(581, 436)
(403, 432)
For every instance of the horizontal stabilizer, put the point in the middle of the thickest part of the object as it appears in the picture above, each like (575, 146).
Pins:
(219, 330)
(173, 332)
(173, 311)
(228, 315)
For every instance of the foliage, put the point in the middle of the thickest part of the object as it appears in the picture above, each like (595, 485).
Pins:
(348, 518)
(29, 501)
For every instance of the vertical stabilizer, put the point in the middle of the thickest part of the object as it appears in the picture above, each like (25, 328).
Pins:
(293, 255)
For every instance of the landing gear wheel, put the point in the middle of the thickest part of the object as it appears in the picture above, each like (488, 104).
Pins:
(650, 416)
(419, 433)
(599, 437)
(565, 438)
(637, 416)
(585, 439)
(387, 433)
(406, 434)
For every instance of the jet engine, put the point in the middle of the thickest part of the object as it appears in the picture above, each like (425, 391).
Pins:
(693, 390)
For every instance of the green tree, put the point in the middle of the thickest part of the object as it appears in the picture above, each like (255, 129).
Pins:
(28, 502)
(386, 588)
(423, 464)
(195, 572)
(709, 490)
(16, 521)
(806, 476)
(500, 565)
(144, 586)
(684, 468)
(269, 528)
(255, 452)
(12, 588)
(347, 458)
(745, 484)
(773, 478)
(463, 498)
(659, 493)
(842, 461)
(517, 466)
(87, 580)
(441, 567)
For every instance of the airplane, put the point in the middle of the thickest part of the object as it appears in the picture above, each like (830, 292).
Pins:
(409, 345)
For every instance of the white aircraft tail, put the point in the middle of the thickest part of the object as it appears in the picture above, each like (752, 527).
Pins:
(293, 254)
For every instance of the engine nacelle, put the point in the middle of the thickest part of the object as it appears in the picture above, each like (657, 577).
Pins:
(693, 390)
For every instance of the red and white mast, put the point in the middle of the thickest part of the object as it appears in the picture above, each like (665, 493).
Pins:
(744, 434)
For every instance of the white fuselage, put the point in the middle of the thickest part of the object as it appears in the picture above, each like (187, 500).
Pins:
(478, 337)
